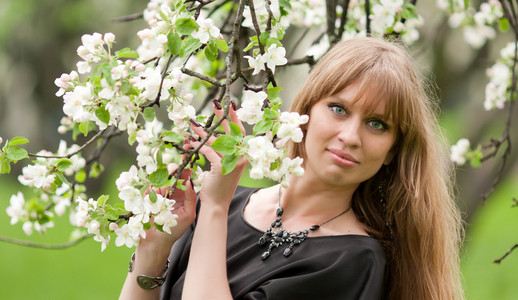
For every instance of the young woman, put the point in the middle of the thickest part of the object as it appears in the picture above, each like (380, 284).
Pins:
(371, 218)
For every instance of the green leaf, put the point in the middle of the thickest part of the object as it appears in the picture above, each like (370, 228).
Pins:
(159, 227)
(102, 114)
(222, 45)
(159, 177)
(86, 127)
(228, 163)
(263, 126)
(271, 113)
(253, 42)
(225, 144)
(62, 164)
(15, 153)
(189, 45)
(264, 37)
(110, 213)
(18, 141)
(149, 114)
(186, 26)
(152, 196)
(126, 53)
(132, 138)
(174, 43)
(235, 130)
(62, 178)
(211, 52)
(102, 200)
(172, 137)
(147, 226)
(80, 176)
(128, 89)
(107, 73)
(503, 24)
(273, 92)
(96, 170)
(5, 167)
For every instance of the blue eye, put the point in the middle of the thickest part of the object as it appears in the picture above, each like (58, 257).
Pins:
(337, 109)
(379, 125)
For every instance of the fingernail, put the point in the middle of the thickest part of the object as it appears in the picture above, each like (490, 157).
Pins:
(217, 104)
(195, 123)
(192, 139)
(233, 103)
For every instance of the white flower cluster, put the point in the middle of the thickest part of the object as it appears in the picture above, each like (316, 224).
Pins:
(500, 75)
(459, 151)
(478, 26)
(261, 151)
(263, 154)
(273, 56)
(142, 207)
(19, 210)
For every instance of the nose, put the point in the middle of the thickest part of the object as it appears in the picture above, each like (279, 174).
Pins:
(350, 133)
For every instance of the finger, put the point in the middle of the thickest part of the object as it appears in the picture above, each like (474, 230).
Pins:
(190, 198)
(209, 153)
(197, 129)
(233, 117)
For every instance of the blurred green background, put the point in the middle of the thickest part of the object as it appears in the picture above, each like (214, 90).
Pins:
(38, 42)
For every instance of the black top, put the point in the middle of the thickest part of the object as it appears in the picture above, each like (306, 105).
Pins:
(326, 267)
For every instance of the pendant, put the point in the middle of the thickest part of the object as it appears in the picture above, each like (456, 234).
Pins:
(276, 238)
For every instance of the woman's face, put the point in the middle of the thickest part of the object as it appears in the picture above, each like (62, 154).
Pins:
(345, 144)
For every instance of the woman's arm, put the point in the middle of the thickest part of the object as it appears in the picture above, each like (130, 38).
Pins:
(152, 252)
(206, 276)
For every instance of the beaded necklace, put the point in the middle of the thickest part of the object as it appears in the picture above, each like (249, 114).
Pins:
(277, 236)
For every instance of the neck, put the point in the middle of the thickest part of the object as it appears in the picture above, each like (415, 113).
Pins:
(315, 199)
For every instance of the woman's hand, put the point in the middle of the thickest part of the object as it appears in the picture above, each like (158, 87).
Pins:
(217, 188)
(184, 208)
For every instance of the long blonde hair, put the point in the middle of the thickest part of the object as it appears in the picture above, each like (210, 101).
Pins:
(419, 226)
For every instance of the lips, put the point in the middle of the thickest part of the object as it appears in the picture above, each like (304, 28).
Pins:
(342, 158)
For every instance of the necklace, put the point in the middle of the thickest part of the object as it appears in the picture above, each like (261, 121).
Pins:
(277, 236)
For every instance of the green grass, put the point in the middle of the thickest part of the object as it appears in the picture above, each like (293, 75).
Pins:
(493, 231)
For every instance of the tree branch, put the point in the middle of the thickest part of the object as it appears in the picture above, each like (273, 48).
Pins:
(99, 134)
(45, 246)
(499, 260)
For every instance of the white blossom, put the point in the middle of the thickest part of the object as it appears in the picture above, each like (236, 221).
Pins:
(17, 209)
(36, 176)
(251, 107)
(459, 151)
(206, 30)
(274, 56)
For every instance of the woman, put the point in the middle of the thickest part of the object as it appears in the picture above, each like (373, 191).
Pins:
(371, 218)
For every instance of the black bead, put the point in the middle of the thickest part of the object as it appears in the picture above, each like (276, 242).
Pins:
(262, 241)
(279, 211)
(279, 233)
(278, 240)
(296, 241)
(314, 227)
(265, 255)
(287, 252)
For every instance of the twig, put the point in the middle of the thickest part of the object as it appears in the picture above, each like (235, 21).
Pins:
(202, 77)
(46, 246)
(367, 17)
(499, 260)
(72, 153)
(331, 19)
(128, 18)
(343, 19)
